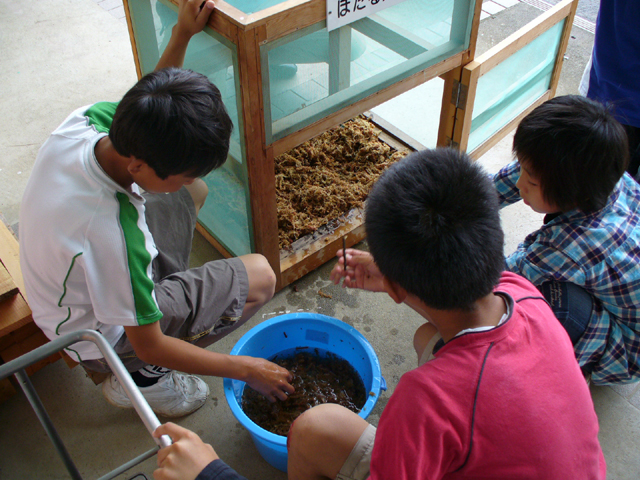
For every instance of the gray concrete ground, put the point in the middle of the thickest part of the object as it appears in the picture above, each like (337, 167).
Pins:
(60, 54)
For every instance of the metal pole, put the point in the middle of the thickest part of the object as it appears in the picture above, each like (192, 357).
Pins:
(45, 420)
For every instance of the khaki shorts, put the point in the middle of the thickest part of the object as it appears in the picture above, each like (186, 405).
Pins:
(356, 467)
(200, 304)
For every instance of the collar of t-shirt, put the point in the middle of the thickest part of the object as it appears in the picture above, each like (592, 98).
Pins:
(440, 343)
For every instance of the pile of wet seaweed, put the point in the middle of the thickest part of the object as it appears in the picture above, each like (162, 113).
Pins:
(327, 176)
(316, 380)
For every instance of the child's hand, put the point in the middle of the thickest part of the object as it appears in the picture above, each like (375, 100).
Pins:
(191, 20)
(193, 16)
(361, 271)
(185, 458)
(269, 379)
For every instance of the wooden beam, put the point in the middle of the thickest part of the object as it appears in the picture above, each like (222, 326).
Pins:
(289, 16)
(468, 87)
(448, 109)
(475, 28)
(318, 253)
(132, 37)
(564, 41)
(259, 159)
(339, 59)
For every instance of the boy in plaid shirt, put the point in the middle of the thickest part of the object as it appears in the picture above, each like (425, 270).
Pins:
(571, 158)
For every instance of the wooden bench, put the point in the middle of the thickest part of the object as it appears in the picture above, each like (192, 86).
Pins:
(18, 333)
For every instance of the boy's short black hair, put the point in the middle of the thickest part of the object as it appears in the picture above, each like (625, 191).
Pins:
(433, 227)
(174, 120)
(576, 149)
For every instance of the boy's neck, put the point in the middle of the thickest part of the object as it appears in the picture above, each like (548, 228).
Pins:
(113, 164)
(487, 312)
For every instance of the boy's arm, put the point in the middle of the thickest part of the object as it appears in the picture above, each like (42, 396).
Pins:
(154, 347)
(505, 182)
(192, 17)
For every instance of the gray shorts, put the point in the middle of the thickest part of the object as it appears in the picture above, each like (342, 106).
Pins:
(201, 304)
(356, 467)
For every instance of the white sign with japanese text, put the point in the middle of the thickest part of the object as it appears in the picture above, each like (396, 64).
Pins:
(342, 12)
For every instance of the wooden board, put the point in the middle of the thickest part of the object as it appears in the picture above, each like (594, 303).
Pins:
(14, 314)
(10, 255)
(8, 288)
(30, 342)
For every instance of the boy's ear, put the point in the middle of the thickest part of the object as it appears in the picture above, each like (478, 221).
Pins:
(395, 291)
(135, 165)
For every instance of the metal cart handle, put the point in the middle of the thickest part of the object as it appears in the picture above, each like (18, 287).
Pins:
(16, 367)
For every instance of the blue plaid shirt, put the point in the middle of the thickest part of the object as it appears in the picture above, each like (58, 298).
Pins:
(600, 252)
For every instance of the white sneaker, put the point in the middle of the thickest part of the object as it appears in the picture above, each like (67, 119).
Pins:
(176, 394)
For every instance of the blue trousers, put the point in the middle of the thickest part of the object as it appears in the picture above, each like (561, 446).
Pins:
(572, 305)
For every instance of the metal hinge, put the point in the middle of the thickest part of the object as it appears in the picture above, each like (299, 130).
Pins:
(459, 94)
(450, 143)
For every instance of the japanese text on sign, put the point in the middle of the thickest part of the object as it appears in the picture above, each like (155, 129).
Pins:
(343, 12)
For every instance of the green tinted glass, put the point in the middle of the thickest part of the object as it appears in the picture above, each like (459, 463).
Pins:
(226, 213)
(314, 73)
(514, 84)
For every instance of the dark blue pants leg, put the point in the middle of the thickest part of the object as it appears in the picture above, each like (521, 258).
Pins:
(572, 305)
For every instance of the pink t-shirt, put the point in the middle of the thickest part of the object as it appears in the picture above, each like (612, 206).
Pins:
(508, 403)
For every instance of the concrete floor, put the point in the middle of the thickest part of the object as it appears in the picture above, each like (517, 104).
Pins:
(60, 54)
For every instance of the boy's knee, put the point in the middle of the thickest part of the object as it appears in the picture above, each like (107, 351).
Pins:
(319, 424)
(268, 276)
(262, 279)
(198, 191)
(307, 431)
(422, 337)
(321, 439)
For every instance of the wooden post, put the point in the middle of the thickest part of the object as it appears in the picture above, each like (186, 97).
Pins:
(260, 160)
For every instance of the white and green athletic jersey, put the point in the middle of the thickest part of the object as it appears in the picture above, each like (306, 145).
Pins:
(85, 248)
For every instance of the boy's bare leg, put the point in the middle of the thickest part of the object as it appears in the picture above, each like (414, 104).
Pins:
(262, 283)
(198, 191)
(422, 337)
(320, 441)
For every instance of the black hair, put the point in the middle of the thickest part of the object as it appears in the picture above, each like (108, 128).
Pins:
(577, 150)
(433, 227)
(174, 120)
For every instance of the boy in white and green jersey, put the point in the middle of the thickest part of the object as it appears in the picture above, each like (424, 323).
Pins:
(100, 249)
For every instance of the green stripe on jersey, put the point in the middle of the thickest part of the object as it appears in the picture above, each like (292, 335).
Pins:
(139, 260)
(101, 115)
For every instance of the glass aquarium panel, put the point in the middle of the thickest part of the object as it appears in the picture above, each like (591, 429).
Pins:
(313, 72)
(513, 85)
(226, 214)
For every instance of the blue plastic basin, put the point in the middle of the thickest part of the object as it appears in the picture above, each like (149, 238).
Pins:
(304, 332)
